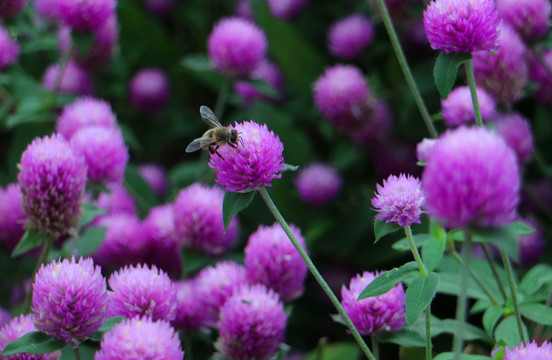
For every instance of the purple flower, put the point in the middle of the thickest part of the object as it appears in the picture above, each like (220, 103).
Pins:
(530, 18)
(377, 314)
(52, 178)
(156, 178)
(286, 9)
(457, 108)
(266, 71)
(516, 131)
(5, 317)
(149, 89)
(140, 338)
(461, 25)
(254, 163)
(140, 291)
(159, 7)
(75, 80)
(375, 123)
(9, 49)
(69, 299)
(85, 15)
(252, 324)
(47, 8)
(83, 112)
(318, 183)
(538, 74)
(531, 351)
(236, 46)
(424, 149)
(16, 328)
(350, 36)
(12, 216)
(272, 260)
(117, 200)
(243, 10)
(190, 314)
(10, 8)
(531, 246)
(471, 179)
(399, 200)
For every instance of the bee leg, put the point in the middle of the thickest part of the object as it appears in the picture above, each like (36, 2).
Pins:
(215, 151)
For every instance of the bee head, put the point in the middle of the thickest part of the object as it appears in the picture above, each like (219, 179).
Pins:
(234, 135)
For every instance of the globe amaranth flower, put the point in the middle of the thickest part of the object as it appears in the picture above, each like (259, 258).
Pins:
(350, 36)
(105, 152)
(318, 183)
(12, 216)
(457, 108)
(540, 75)
(198, 220)
(269, 73)
(52, 178)
(85, 15)
(16, 328)
(286, 9)
(530, 351)
(373, 315)
(531, 246)
(149, 89)
(471, 179)
(252, 324)
(424, 149)
(530, 18)
(156, 177)
(75, 79)
(399, 200)
(10, 8)
(236, 46)
(140, 338)
(254, 163)
(516, 131)
(461, 25)
(69, 299)
(159, 7)
(272, 260)
(9, 49)
(189, 306)
(83, 112)
(141, 291)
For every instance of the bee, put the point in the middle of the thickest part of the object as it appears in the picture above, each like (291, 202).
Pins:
(216, 136)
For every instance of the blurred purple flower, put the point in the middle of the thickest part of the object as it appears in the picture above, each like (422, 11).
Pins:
(516, 131)
(243, 10)
(156, 177)
(85, 15)
(9, 49)
(117, 200)
(266, 71)
(47, 8)
(190, 314)
(16, 328)
(318, 183)
(12, 216)
(5, 317)
(10, 8)
(149, 89)
(424, 149)
(457, 108)
(399, 200)
(530, 351)
(75, 80)
(159, 7)
(286, 9)
(348, 37)
(531, 246)
(530, 18)
(83, 112)
(540, 75)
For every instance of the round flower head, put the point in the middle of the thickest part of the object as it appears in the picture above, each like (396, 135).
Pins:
(236, 46)
(531, 351)
(138, 339)
(457, 108)
(10, 8)
(286, 9)
(516, 131)
(257, 160)
(189, 306)
(471, 179)
(105, 152)
(16, 328)
(399, 200)
(9, 50)
(149, 89)
(424, 149)
(85, 15)
(531, 246)
(528, 17)
(12, 216)
(141, 291)
(83, 112)
(461, 25)
(377, 314)
(375, 123)
(156, 177)
(69, 299)
(216, 284)
(159, 7)
(318, 184)
(266, 71)
(538, 74)
(252, 324)
(52, 178)
(350, 36)
(117, 200)
(75, 80)
(272, 260)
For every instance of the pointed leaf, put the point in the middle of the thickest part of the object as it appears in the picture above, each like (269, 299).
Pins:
(404, 337)
(30, 240)
(106, 327)
(233, 203)
(504, 237)
(445, 70)
(539, 313)
(90, 212)
(382, 228)
(419, 294)
(90, 240)
(507, 330)
(83, 40)
(404, 245)
(535, 278)
(387, 280)
(451, 356)
(491, 317)
(34, 342)
(433, 250)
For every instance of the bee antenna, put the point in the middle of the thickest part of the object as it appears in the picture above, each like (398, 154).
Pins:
(240, 139)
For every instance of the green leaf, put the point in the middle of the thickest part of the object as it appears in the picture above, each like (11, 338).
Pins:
(451, 356)
(419, 295)
(233, 203)
(536, 278)
(536, 312)
(34, 342)
(507, 330)
(288, 167)
(90, 212)
(405, 337)
(404, 245)
(504, 237)
(382, 228)
(83, 41)
(433, 249)
(387, 280)
(446, 67)
(107, 326)
(30, 240)
(143, 194)
(491, 317)
(199, 66)
(334, 351)
(448, 284)
(449, 326)
(90, 240)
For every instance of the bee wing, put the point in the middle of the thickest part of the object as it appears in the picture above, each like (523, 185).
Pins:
(209, 117)
(200, 143)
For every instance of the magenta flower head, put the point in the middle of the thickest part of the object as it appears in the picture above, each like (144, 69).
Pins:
(69, 299)
(16, 328)
(5, 317)
(471, 179)
(159, 7)
(457, 108)
(9, 49)
(149, 89)
(461, 25)
(516, 131)
(252, 324)
(52, 178)
(531, 246)
(141, 291)
(530, 18)
(531, 351)
(117, 200)
(399, 200)
(105, 152)
(318, 183)
(424, 149)
(156, 177)
(10, 8)
(266, 71)
(286, 9)
(85, 15)
(140, 338)
(236, 46)
(272, 260)
(538, 74)
(12, 216)
(216, 284)
(47, 9)
(377, 314)
(350, 36)
(83, 112)
(257, 160)
(189, 306)
(75, 79)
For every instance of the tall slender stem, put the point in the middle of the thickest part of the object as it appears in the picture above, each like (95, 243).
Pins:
(405, 68)
(414, 250)
(495, 271)
(473, 91)
(61, 72)
(513, 291)
(375, 347)
(462, 297)
(429, 346)
(477, 280)
(314, 271)
(76, 351)
(42, 259)
(221, 98)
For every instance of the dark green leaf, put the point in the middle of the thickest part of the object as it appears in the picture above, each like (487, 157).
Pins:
(503, 237)
(382, 228)
(449, 326)
(34, 342)
(30, 240)
(535, 278)
(507, 330)
(539, 313)
(419, 295)
(405, 337)
(107, 326)
(335, 351)
(233, 203)
(387, 280)
(90, 212)
(491, 317)
(451, 356)
(83, 41)
(404, 245)
(433, 250)
(90, 240)
(480, 306)
(199, 66)
(448, 284)
(445, 70)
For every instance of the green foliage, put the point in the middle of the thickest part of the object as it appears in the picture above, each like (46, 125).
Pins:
(445, 70)
(233, 203)
(419, 295)
(30, 240)
(34, 342)
(387, 280)
(383, 228)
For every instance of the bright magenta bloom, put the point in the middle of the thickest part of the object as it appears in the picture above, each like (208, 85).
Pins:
(531, 351)
(83, 112)
(538, 74)
(16, 328)
(350, 36)
(529, 17)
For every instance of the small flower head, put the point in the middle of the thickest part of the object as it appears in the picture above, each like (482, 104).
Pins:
(190, 314)
(257, 160)
(83, 112)
(149, 89)
(318, 183)
(236, 46)
(457, 108)
(16, 328)
(531, 351)
(377, 314)
(424, 149)
(531, 246)
(140, 338)
(12, 216)
(69, 299)
(286, 9)
(266, 71)
(252, 324)
(141, 291)
(85, 15)
(350, 36)
(5, 317)
(471, 179)
(75, 79)
(374, 123)
(516, 131)
(9, 49)
(156, 177)
(538, 74)
(116, 200)
(530, 18)
(461, 25)
(52, 178)
(399, 200)
(10, 8)
(159, 7)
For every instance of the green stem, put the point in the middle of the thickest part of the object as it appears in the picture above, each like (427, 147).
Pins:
(314, 271)
(471, 82)
(221, 98)
(375, 347)
(477, 280)
(462, 297)
(76, 351)
(41, 260)
(405, 68)
(495, 271)
(414, 249)
(59, 78)
(513, 291)
(429, 346)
